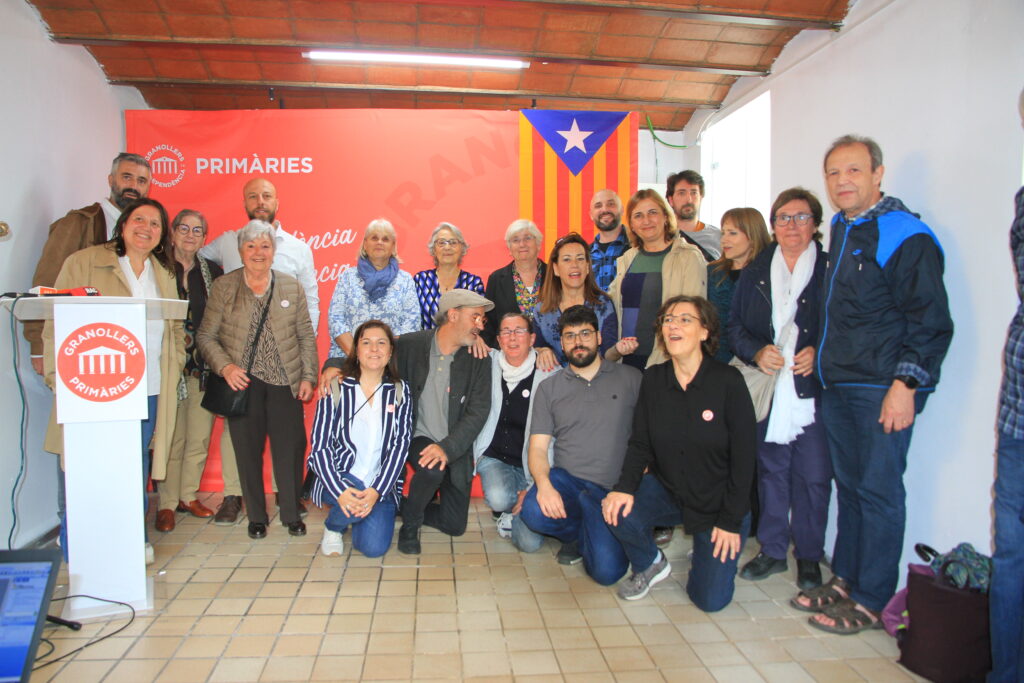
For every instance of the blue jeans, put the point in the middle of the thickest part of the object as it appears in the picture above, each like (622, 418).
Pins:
(868, 465)
(371, 535)
(1006, 595)
(502, 483)
(711, 582)
(148, 427)
(603, 557)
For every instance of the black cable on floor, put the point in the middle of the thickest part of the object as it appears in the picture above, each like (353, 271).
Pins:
(91, 642)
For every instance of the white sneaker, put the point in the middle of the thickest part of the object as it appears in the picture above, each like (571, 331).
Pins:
(505, 525)
(150, 556)
(332, 543)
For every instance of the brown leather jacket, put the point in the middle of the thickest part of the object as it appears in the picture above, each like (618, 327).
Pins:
(79, 229)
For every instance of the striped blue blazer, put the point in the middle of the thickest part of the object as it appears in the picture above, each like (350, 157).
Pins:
(333, 454)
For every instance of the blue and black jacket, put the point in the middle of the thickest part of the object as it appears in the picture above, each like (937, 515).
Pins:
(885, 310)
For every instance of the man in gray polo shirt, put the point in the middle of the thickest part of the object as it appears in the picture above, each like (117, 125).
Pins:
(587, 408)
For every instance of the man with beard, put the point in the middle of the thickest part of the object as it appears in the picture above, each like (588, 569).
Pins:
(129, 180)
(611, 240)
(587, 408)
(684, 192)
(292, 257)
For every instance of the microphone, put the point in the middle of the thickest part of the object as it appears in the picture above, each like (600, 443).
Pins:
(75, 291)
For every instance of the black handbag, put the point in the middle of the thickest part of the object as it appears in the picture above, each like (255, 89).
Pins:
(220, 398)
(948, 637)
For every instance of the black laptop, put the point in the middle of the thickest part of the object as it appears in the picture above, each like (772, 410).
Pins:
(27, 578)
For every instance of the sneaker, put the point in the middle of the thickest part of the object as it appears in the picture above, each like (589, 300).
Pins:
(569, 554)
(505, 525)
(761, 567)
(150, 555)
(639, 583)
(227, 513)
(332, 543)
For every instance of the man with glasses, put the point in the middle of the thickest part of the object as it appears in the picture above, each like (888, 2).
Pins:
(884, 334)
(501, 448)
(94, 224)
(611, 240)
(685, 192)
(587, 409)
(292, 257)
(451, 392)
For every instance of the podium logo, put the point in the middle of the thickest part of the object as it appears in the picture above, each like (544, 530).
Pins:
(101, 362)
(167, 164)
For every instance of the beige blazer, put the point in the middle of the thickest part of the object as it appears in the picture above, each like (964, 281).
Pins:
(98, 267)
(683, 272)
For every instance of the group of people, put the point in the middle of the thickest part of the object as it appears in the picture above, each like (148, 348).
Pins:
(670, 372)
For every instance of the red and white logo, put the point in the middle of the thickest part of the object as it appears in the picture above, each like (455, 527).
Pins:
(101, 362)
(168, 165)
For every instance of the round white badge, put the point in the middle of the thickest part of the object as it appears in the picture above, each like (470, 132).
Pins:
(526, 393)
(285, 303)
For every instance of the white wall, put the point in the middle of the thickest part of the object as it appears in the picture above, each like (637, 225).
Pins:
(935, 82)
(656, 160)
(62, 126)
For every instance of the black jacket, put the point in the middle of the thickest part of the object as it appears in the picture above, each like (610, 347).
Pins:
(885, 310)
(502, 291)
(750, 326)
(701, 443)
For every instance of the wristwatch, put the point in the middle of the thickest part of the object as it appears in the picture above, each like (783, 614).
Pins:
(909, 380)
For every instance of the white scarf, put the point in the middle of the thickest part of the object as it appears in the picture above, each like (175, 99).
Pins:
(513, 375)
(790, 413)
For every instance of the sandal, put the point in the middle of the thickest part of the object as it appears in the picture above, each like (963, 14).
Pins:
(822, 597)
(849, 617)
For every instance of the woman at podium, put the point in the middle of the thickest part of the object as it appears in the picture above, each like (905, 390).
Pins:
(134, 263)
(257, 335)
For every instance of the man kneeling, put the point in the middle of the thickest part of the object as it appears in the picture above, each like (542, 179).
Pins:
(587, 408)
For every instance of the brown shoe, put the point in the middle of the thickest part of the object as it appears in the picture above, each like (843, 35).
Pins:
(663, 535)
(227, 513)
(165, 520)
(195, 508)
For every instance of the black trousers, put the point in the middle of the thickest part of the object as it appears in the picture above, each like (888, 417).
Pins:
(273, 412)
(451, 513)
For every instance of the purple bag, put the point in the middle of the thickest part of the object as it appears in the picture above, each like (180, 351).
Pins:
(895, 617)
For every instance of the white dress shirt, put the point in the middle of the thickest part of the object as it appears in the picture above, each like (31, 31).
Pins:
(292, 257)
(111, 213)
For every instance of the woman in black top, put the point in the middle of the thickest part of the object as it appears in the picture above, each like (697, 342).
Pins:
(695, 435)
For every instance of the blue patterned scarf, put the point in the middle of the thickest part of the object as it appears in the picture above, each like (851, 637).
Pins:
(376, 282)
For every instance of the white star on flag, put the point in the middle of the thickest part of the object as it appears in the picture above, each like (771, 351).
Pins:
(574, 137)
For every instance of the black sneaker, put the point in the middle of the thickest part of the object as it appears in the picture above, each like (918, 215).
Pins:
(227, 513)
(409, 540)
(761, 567)
(808, 574)
(569, 554)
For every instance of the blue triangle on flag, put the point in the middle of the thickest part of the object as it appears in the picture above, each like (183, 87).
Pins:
(574, 135)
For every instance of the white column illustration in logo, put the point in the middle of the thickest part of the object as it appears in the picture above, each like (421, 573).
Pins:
(101, 361)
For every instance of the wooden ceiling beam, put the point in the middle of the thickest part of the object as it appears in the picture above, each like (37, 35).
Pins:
(242, 44)
(280, 86)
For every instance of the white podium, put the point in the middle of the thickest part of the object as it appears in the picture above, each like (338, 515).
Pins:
(100, 354)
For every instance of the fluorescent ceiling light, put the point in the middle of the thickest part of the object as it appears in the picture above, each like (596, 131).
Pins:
(425, 59)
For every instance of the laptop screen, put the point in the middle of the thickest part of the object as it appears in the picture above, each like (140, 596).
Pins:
(26, 585)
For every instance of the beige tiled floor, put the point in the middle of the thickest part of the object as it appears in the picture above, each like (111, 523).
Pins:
(472, 608)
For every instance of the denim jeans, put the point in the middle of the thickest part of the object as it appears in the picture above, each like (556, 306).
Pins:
(603, 556)
(148, 427)
(371, 535)
(502, 483)
(1006, 595)
(868, 465)
(711, 582)
(794, 486)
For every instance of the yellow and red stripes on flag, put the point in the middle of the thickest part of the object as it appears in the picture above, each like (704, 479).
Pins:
(558, 201)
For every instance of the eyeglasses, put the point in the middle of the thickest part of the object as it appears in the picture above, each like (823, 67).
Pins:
(782, 219)
(684, 319)
(582, 335)
(446, 243)
(522, 239)
(183, 229)
(518, 332)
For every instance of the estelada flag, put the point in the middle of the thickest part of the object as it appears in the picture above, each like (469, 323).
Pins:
(567, 156)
